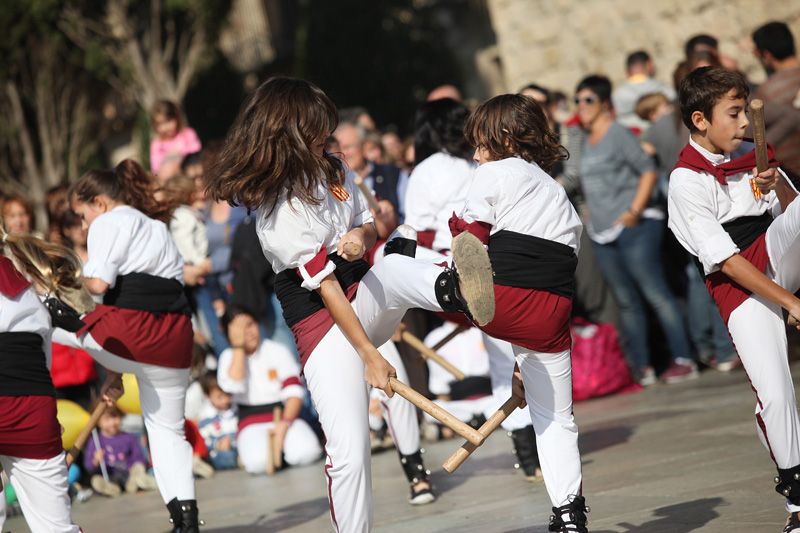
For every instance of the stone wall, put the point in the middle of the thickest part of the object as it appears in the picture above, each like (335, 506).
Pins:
(556, 42)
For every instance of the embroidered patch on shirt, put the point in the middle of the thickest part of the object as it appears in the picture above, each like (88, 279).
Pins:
(339, 192)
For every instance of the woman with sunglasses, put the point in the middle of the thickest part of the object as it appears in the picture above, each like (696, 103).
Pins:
(626, 228)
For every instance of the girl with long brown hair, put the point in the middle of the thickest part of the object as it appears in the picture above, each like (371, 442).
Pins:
(314, 227)
(143, 326)
(30, 435)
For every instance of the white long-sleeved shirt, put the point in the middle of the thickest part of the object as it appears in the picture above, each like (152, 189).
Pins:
(437, 188)
(698, 205)
(294, 233)
(124, 241)
(271, 375)
(512, 194)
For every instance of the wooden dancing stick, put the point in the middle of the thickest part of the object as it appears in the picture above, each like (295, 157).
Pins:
(450, 336)
(86, 432)
(494, 421)
(436, 412)
(275, 452)
(757, 112)
(762, 158)
(373, 203)
(277, 449)
(427, 353)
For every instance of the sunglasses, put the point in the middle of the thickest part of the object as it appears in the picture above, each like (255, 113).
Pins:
(586, 100)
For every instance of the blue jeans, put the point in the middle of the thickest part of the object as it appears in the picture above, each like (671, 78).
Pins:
(204, 295)
(706, 328)
(633, 268)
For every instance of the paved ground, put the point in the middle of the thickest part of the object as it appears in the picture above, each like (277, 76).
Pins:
(671, 459)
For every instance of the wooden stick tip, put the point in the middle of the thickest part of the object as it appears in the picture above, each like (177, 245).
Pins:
(756, 104)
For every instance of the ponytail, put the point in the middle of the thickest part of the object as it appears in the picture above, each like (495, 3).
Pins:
(52, 267)
(127, 183)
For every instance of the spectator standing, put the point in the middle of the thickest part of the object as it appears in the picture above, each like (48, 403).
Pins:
(775, 49)
(639, 70)
(626, 230)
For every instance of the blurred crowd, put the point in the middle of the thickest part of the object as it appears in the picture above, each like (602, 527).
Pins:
(645, 288)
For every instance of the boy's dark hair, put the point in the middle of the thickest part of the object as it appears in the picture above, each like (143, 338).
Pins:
(514, 125)
(775, 38)
(702, 39)
(230, 313)
(209, 382)
(704, 87)
(195, 158)
(439, 127)
(599, 85)
(639, 57)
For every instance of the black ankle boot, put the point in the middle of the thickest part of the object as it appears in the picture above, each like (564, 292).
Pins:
(448, 294)
(525, 449)
(787, 483)
(415, 472)
(183, 516)
(576, 517)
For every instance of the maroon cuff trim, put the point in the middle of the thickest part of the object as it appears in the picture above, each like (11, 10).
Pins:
(294, 380)
(315, 265)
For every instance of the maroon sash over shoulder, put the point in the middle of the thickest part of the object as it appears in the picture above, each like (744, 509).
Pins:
(693, 160)
(12, 283)
(728, 294)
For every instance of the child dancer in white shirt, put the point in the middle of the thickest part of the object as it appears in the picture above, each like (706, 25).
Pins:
(315, 227)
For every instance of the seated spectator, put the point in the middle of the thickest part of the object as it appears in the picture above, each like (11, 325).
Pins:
(114, 458)
(218, 423)
(262, 375)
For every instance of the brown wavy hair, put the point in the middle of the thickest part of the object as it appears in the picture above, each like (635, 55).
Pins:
(514, 125)
(52, 267)
(269, 148)
(128, 183)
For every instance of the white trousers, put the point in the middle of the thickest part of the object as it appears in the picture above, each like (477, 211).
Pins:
(501, 367)
(759, 335)
(335, 377)
(301, 446)
(548, 390)
(162, 393)
(41, 486)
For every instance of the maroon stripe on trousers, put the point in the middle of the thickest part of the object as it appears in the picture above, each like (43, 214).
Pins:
(759, 420)
(330, 489)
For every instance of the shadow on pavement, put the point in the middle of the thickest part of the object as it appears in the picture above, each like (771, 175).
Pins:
(282, 519)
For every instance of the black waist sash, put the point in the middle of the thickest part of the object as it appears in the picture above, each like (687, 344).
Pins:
(252, 410)
(23, 366)
(528, 262)
(743, 232)
(144, 292)
(299, 303)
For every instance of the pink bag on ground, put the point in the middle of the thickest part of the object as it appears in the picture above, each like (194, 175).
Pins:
(598, 367)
